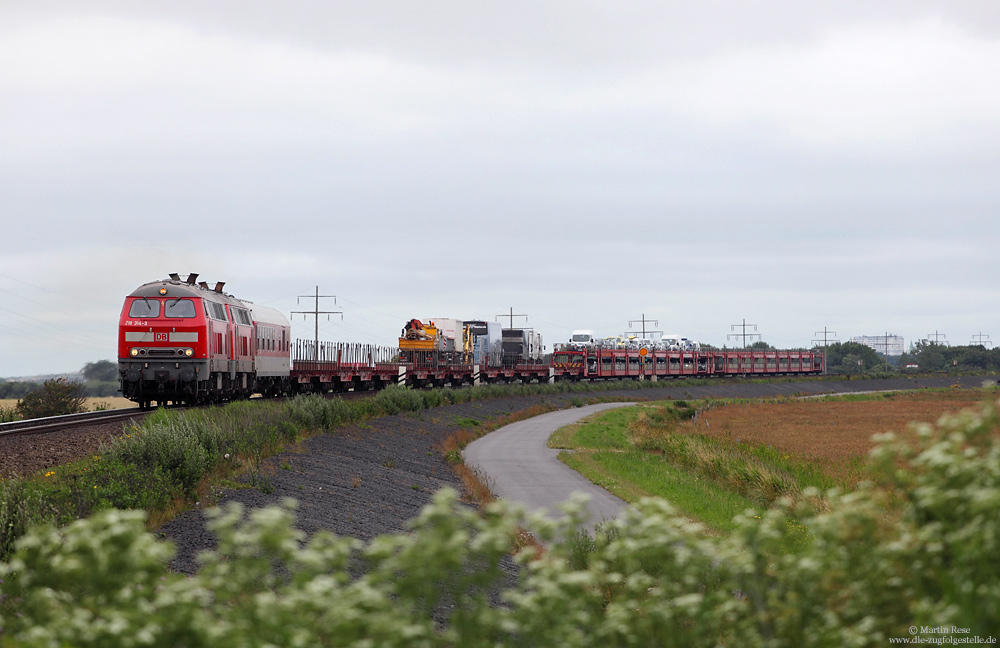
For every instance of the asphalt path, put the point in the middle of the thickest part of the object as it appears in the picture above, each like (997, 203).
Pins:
(524, 470)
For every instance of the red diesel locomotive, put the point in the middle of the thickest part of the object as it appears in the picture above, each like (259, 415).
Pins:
(181, 341)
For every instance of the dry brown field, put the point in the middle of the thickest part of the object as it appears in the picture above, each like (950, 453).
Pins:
(111, 402)
(835, 431)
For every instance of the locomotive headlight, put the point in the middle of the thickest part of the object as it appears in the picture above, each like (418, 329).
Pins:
(134, 352)
(189, 352)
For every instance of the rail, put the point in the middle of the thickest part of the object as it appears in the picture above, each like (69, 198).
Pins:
(306, 353)
(33, 426)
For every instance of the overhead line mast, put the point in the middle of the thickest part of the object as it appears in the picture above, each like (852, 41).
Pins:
(744, 334)
(644, 320)
(512, 315)
(887, 350)
(316, 312)
(937, 337)
(983, 340)
(825, 339)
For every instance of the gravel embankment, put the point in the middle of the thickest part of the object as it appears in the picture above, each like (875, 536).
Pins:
(26, 454)
(361, 481)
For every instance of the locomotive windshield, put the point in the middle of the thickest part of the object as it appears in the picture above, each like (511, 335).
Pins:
(179, 308)
(144, 308)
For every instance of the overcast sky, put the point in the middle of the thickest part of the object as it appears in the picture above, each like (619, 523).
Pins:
(797, 165)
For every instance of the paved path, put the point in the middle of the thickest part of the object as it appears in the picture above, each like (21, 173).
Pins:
(525, 470)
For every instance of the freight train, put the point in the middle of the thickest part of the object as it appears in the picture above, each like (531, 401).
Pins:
(183, 341)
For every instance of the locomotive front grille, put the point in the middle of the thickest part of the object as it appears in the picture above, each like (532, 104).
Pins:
(165, 353)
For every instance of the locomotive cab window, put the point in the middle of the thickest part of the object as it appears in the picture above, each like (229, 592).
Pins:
(216, 311)
(241, 316)
(179, 308)
(144, 308)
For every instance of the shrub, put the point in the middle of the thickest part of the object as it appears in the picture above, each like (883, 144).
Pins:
(8, 414)
(172, 447)
(21, 507)
(55, 398)
(317, 413)
(395, 399)
(126, 486)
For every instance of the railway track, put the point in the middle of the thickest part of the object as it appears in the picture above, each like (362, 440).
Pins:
(41, 444)
(68, 421)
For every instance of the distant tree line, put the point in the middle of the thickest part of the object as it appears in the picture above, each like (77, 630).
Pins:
(17, 388)
(938, 357)
(855, 358)
(100, 379)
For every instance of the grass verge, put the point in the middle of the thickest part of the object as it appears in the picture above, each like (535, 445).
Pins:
(632, 475)
(612, 450)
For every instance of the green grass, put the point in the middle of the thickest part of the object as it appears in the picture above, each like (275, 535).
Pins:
(604, 430)
(632, 475)
(759, 472)
(642, 451)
